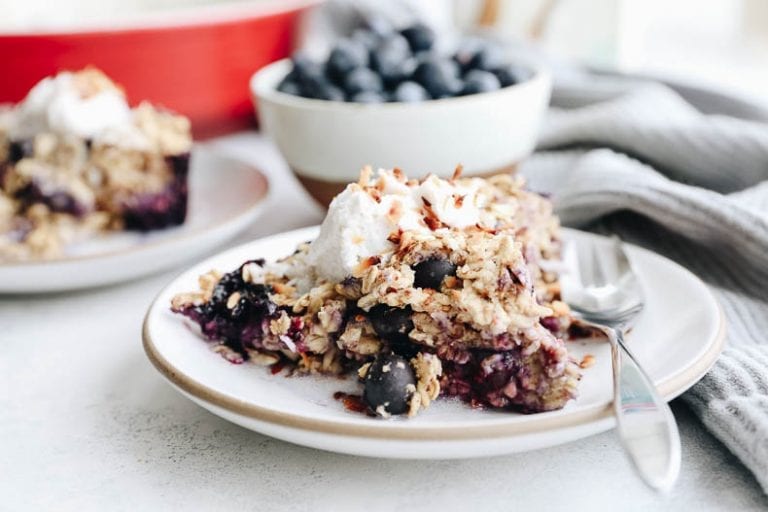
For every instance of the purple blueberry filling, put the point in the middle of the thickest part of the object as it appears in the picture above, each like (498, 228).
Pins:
(498, 380)
(239, 326)
(57, 201)
(163, 209)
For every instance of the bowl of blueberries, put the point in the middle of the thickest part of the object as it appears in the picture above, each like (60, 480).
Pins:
(391, 97)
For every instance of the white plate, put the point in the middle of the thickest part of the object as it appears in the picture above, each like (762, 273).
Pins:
(677, 338)
(225, 196)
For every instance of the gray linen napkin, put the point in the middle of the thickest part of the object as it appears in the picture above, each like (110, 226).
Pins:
(642, 162)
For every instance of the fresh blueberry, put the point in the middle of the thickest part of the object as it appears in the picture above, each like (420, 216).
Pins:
(365, 38)
(399, 72)
(420, 37)
(288, 86)
(511, 75)
(311, 80)
(304, 66)
(466, 51)
(389, 385)
(19, 149)
(368, 97)
(488, 58)
(362, 80)
(392, 59)
(424, 56)
(431, 273)
(346, 56)
(477, 81)
(439, 77)
(391, 324)
(410, 92)
(319, 87)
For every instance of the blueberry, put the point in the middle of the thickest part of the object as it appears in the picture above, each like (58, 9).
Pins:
(303, 67)
(488, 58)
(410, 92)
(439, 77)
(319, 87)
(368, 97)
(312, 82)
(19, 149)
(346, 56)
(389, 385)
(466, 51)
(392, 59)
(228, 284)
(399, 72)
(365, 38)
(431, 273)
(420, 37)
(511, 75)
(477, 81)
(425, 56)
(391, 324)
(288, 86)
(362, 79)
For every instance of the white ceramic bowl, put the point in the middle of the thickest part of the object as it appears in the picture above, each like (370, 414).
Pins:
(326, 143)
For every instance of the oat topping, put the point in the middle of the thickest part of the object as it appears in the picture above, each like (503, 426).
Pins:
(461, 309)
(76, 161)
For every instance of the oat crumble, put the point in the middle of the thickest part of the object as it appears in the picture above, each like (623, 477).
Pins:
(444, 308)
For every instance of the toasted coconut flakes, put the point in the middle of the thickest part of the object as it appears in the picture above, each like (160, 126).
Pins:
(395, 212)
(366, 264)
(450, 282)
(365, 176)
(432, 223)
(395, 237)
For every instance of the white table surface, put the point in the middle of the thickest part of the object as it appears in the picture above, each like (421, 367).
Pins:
(86, 423)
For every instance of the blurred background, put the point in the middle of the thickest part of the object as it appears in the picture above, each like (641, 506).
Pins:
(195, 56)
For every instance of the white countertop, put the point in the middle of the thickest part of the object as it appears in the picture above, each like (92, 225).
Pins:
(86, 423)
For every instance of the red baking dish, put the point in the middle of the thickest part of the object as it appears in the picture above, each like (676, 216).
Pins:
(196, 61)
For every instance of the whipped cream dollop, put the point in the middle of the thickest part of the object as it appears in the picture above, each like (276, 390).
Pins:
(86, 104)
(362, 218)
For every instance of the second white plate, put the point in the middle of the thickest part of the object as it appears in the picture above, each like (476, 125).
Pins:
(225, 197)
(677, 338)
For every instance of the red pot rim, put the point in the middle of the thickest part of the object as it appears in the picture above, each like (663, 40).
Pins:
(183, 17)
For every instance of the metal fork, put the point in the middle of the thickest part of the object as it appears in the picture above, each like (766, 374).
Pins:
(608, 295)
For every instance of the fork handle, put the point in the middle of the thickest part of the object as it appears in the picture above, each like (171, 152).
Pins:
(645, 423)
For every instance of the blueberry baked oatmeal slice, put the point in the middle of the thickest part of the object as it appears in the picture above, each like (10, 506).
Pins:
(76, 160)
(424, 288)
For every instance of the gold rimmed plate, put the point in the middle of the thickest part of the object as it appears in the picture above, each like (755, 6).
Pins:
(677, 338)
